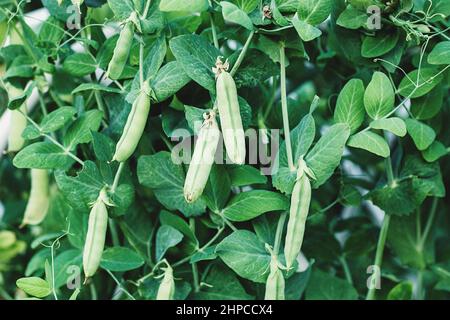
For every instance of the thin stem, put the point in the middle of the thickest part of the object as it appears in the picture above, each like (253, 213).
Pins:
(284, 106)
(147, 8)
(114, 233)
(229, 224)
(213, 239)
(279, 232)
(93, 290)
(194, 265)
(120, 285)
(242, 54)
(52, 250)
(42, 104)
(345, 267)
(430, 221)
(214, 31)
(117, 177)
(141, 63)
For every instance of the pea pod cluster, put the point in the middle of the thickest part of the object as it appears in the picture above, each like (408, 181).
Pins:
(39, 200)
(166, 290)
(122, 50)
(96, 235)
(18, 121)
(230, 115)
(275, 284)
(134, 127)
(202, 158)
(298, 213)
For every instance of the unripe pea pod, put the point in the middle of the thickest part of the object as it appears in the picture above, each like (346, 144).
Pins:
(134, 128)
(298, 213)
(18, 121)
(121, 51)
(95, 237)
(230, 117)
(39, 200)
(202, 159)
(166, 289)
(275, 284)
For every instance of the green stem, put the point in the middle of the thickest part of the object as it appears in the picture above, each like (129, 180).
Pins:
(345, 267)
(279, 232)
(147, 8)
(114, 233)
(284, 106)
(93, 290)
(117, 177)
(214, 31)
(242, 54)
(120, 285)
(141, 63)
(430, 221)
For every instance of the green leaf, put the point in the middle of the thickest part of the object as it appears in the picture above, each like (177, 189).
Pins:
(415, 86)
(183, 5)
(429, 105)
(250, 261)
(324, 286)
(178, 223)
(394, 125)
(166, 238)
(248, 205)
(122, 8)
(379, 45)
(371, 142)
(352, 18)
(57, 119)
(34, 286)
(66, 265)
(169, 80)
(306, 31)
(314, 12)
(233, 14)
(379, 97)
(422, 134)
(218, 188)
(103, 146)
(440, 54)
(246, 175)
(166, 178)
(42, 155)
(350, 105)
(80, 64)
(402, 291)
(120, 259)
(80, 130)
(95, 87)
(326, 155)
(197, 57)
(434, 152)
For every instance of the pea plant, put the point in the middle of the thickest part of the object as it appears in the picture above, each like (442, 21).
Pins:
(238, 149)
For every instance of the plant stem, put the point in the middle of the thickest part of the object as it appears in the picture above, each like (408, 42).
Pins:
(284, 106)
(214, 31)
(279, 232)
(242, 54)
(120, 285)
(114, 233)
(348, 274)
(147, 8)
(141, 63)
(93, 290)
(117, 177)
(429, 224)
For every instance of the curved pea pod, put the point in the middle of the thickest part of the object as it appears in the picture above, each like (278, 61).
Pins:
(18, 122)
(275, 284)
(95, 238)
(202, 159)
(38, 203)
(134, 128)
(121, 51)
(230, 118)
(166, 289)
(298, 213)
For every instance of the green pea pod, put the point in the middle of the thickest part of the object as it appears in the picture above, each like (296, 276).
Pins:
(38, 203)
(275, 282)
(134, 128)
(230, 118)
(18, 122)
(95, 238)
(300, 201)
(121, 51)
(166, 289)
(202, 159)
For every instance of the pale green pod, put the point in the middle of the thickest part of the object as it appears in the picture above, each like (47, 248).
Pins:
(95, 237)
(18, 122)
(300, 202)
(39, 200)
(202, 159)
(166, 289)
(230, 118)
(134, 128)
(121, 51)
(275, 284)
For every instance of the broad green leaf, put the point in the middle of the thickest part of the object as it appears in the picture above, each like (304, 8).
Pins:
(422, 134)
(169, 80)
(197, 57)
(350, 105)
(80, 130)
(326, 155)
(34, 286)
(122, 8)
(379, 97)
(434, 152)
(246, 5)
(314, 12)
(103, 146)
(166, 238)
(402, 291)
(379, 45)
(306, 31)
(250, 261)
(120, 259)
(371, 142)
(95, 87)
(80, 64)
(352, 18)
(246, 175)
(67, 265)
(42, 155)
(248, 205)
(233, 14)
(178, 223)
(440, 54)
(218, 188)
(183, 5)
(57, 119)
(204, 254)
(394, 125)
(415, 86)
(326, 286)
(429, 105)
